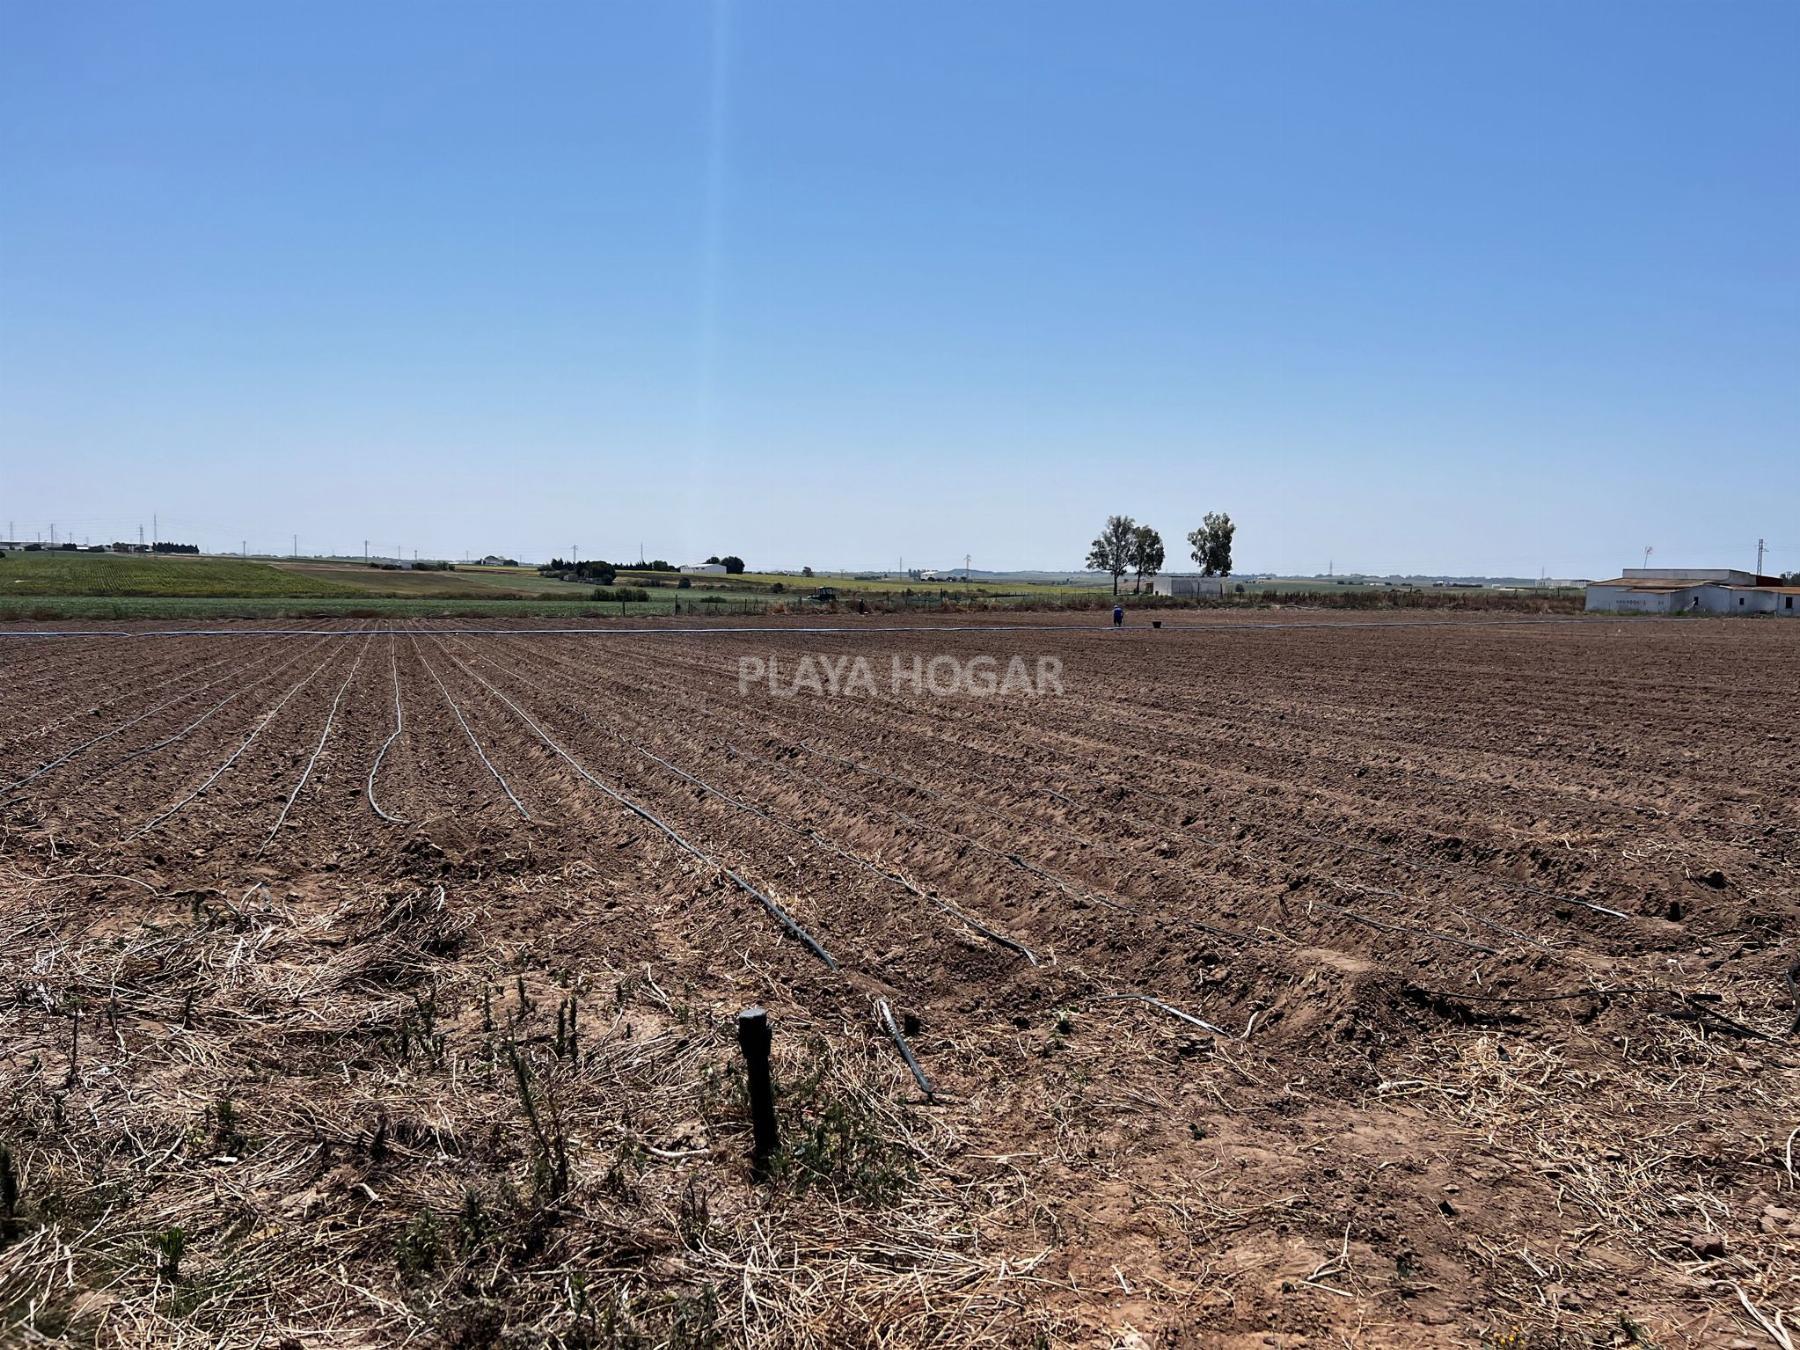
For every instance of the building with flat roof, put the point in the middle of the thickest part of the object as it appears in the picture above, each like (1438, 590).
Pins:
(1692, 590)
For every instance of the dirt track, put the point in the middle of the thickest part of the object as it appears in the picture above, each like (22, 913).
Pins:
(1308, 980)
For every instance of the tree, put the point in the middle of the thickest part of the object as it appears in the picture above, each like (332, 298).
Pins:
(1211, 544)
(1146, 553)
(1111, 552)
(806, 571)
(733, 564)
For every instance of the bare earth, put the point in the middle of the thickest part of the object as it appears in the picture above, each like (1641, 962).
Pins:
(1287, 981)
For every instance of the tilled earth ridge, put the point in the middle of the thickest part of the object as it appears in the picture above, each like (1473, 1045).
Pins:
(1283, 980)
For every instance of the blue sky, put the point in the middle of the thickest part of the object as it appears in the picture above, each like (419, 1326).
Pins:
(1413, 287)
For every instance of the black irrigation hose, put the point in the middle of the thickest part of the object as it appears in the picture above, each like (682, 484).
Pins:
(9, 788)
(883, 1011)
(774, 910)
(1695, 1007)
(230, 759)
(1023, 864)
(319, 749)
(1357, 888)
(1173, 1011)
(1422, 864)
(886, 1015)
(1426, 864)
(480, 754)
(811, 835)
(167, 740)
(1386, 927)
(399, 726)
(925, 825)
(856, 860)
(1792, 978)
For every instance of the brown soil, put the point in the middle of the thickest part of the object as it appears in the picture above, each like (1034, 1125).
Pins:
(1289, 980)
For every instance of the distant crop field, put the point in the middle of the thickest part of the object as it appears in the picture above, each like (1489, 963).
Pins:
(514, 583)
(847, 584)
(57, 573)
(50, 607)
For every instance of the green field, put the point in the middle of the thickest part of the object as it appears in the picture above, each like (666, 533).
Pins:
(58, 573)
(468, 581)
(50, 585)
(844, 583)
(46, 608)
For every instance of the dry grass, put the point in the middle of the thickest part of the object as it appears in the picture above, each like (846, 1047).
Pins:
(241, 1120)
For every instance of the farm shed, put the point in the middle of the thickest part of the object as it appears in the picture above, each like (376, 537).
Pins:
(1191, 588)
(1667, 590)
(712, 568)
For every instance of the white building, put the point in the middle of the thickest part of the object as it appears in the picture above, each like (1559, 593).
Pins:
(1190, 588)
(1675, 590)
(718, 568)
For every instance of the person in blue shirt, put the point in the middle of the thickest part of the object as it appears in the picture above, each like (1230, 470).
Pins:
(1118, 616)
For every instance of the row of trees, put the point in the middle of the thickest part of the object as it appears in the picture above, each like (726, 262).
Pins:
(1125, 546)
(595, 570)
(601, 573)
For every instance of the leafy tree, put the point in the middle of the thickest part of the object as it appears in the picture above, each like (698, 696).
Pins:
(596, 570)
(806, 571)
(733, 564)
(1146, 553)
(1211, 544)
(1111, 552)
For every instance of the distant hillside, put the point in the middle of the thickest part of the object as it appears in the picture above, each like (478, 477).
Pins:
(125, 574)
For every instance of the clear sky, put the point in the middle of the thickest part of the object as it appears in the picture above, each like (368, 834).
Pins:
(1477, 288)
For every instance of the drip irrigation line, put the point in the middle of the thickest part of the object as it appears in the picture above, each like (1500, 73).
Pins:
(1386, 927)
(463, 723)
(125, 726)
(1023, 864)
(1427, 865)
(324, 735)
(1018, 861)
(231, 759)
(11, 789)
(1173, 1011)
(1357, 888)
(854, 859)
(1223, 933)
(1694, 1007)
(204, 717)
(886, 1015)
(1423, 864)
(803, 832)
(774, 910)
(1791, 977)
(399, 726)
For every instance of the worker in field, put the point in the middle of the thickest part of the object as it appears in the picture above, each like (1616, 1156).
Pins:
(1118, 616)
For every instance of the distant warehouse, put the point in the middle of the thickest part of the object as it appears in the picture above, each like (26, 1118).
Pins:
(1192, 588)
(1678, 590)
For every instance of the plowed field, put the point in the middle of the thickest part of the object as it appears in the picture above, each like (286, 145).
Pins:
(1281, 981)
